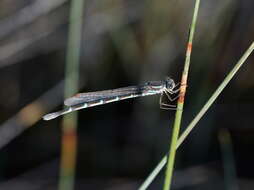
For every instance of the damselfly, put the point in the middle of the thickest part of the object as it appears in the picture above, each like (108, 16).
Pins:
(90, 99)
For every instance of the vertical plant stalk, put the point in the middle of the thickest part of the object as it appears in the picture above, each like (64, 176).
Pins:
(193, 123)
(228, 162)
(69, 125)
(180, 103)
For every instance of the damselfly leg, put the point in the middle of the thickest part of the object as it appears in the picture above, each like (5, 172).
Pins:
(166, 106)
(168, 93)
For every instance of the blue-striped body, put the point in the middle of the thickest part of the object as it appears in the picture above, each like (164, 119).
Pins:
(90, 99)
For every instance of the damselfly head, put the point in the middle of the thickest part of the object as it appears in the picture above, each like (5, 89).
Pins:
(170, 84)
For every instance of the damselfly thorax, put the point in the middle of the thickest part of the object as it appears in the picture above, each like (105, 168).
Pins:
(90, 99)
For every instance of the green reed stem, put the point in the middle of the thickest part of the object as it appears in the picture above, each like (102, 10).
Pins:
(180, 103)
(69, 127)
(190, 127)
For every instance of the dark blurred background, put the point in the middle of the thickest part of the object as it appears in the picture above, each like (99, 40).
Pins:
(126, 42)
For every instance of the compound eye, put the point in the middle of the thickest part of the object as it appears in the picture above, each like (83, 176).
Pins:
(170, 83)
